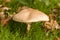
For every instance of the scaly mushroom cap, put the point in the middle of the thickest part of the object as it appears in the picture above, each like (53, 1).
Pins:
(30, 15)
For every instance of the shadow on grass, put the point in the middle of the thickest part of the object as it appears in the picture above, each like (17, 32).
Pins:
(17, 27)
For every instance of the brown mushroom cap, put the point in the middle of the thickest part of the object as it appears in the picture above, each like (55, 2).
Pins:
(30, 15)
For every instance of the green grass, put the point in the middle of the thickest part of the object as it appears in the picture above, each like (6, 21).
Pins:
(16, 31)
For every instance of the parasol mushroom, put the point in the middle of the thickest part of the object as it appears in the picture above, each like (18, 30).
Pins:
(29, 15)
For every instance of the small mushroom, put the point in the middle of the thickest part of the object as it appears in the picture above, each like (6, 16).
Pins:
(30, 15)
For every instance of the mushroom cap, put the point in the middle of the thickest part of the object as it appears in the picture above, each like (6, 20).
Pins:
(30, 15)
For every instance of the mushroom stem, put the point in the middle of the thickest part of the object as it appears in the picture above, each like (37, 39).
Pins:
(28, 27)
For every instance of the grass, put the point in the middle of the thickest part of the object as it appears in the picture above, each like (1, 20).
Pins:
(16, 31)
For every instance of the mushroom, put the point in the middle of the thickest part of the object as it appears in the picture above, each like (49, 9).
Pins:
(29, 15)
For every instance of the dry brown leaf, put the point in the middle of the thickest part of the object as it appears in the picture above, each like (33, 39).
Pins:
(58, 38)
(52, 24)
(7, 1)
